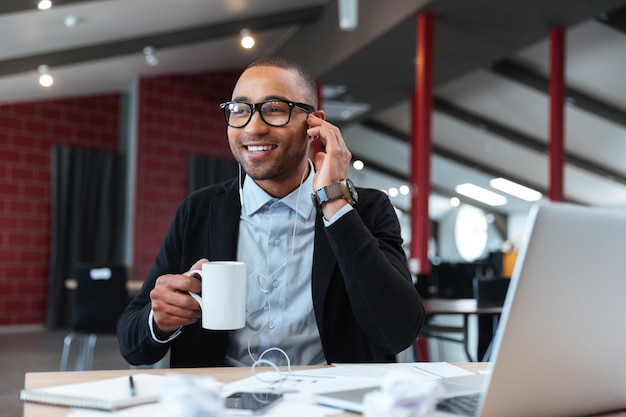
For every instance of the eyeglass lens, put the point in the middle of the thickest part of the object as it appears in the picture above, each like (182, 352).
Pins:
(274, 113)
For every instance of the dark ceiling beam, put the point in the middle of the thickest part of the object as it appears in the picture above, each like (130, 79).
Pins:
(435, 189)
(158, 40)
(455, 157)
(484, 124)
(523, 75)
(529, 142)
(14, 6)
(452, 156)
(615, 18)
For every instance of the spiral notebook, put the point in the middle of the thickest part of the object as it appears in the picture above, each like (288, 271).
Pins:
(105, 394)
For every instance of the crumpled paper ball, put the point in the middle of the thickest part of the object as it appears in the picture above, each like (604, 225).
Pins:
(403, 394)
(191, 396)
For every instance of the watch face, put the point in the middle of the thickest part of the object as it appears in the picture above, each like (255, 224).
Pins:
(352, 190)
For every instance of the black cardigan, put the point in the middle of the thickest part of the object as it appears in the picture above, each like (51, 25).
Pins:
(366, 306)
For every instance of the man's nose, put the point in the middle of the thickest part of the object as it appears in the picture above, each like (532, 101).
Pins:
(256, 123)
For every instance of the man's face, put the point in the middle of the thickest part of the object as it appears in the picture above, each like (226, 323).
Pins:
(266, 152)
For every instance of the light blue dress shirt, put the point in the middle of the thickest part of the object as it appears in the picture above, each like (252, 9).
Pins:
(276, 242)
(276, 239)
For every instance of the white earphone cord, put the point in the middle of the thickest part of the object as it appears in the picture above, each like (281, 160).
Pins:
(264, 290)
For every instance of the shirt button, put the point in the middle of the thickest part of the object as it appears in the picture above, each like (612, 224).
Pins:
(272, 325)
(275, 284)
(276, 242)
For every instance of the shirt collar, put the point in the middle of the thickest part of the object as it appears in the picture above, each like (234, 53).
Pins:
(299, 200)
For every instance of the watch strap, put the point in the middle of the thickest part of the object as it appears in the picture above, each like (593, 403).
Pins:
(334, 191)
(331, 192)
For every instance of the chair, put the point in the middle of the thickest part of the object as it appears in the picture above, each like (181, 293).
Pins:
(449, 281)
(488, 292)
(100, 299)
(448, 333)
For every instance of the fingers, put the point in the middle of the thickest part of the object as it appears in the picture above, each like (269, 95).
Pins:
(332, 165)
(172, 305)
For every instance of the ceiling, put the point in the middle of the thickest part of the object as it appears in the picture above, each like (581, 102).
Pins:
(491, 66)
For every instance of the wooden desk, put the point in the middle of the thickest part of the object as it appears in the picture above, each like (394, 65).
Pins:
(465, 307)
(226, 375)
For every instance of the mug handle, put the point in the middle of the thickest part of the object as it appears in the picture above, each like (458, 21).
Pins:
(193, 294)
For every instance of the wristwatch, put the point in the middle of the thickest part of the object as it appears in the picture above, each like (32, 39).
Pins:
(342, 189)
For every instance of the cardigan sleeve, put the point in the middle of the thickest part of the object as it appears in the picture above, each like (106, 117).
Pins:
(368, 246)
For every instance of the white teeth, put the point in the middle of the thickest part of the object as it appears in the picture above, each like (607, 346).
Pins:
(259, 148)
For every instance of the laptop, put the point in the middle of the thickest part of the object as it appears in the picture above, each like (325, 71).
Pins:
(560, 348)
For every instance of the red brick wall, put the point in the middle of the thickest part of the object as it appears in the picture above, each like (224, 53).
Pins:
(178, 116)
(27, 133)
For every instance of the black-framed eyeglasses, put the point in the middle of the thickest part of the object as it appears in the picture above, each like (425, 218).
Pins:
(275, 112)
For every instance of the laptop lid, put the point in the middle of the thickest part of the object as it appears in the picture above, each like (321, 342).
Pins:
(559, 349)
(561, 343)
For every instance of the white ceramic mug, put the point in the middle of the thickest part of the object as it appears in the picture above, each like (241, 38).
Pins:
(223, 300)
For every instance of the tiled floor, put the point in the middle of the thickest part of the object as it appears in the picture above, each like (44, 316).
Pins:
(34, 350)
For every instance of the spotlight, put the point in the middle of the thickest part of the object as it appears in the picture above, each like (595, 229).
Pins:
(151, 58)
(45, 79)
(44, 5)
(348, 14)
(247, 41)
(70, 21)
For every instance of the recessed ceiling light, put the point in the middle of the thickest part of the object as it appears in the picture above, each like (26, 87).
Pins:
(70, 21)
(247, 41)
(481, 194)
(330, 92)
(45, 79)
(150, 57)
(44, 5)
(515, 189)
(338, 110)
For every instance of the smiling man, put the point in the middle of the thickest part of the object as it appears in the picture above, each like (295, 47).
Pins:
(327, 278)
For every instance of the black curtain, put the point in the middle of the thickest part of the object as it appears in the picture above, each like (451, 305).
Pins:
(88, 207)
(205, 170)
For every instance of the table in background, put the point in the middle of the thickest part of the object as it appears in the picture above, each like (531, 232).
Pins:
(132, 285)
(467, 307)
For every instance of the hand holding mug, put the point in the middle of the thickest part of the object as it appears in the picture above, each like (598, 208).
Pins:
(223, 300)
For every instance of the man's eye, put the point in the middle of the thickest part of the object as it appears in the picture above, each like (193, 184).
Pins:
(239, 110)
(275, 109)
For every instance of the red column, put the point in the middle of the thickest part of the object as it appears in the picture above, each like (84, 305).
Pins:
(557, 116)
(421, 108)
(316, 145)
(421, 143)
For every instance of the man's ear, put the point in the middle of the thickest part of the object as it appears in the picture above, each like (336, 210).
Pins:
(320, 114)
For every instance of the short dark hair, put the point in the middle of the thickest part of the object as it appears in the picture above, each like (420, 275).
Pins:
(308, 81)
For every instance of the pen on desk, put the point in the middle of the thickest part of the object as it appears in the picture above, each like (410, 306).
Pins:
(131, 383)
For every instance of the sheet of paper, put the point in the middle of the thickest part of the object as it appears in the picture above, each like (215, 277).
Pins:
(427, 370)
(299, 386)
